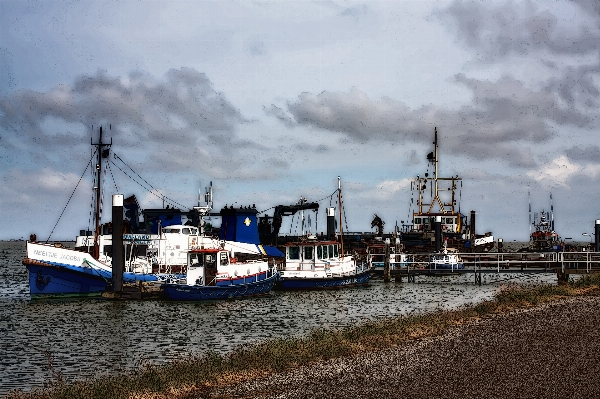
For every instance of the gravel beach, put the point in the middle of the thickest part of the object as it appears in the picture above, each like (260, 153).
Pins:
(551, 351)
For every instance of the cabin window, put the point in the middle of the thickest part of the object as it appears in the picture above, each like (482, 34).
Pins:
(210, 260)
(294, 252)
(325, 252)
(335, 251)
(308, 253)
(449, 220)
(186, 231)
(425, 220)
(331, 251)
(319, 252)
(417, 220)
(224, 258)
(195, 260)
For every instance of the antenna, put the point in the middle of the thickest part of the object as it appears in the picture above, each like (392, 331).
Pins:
(551, 213)
(529, 200)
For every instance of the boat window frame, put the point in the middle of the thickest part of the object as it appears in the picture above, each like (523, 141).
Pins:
(293, 250)
(199, 257)
(308, 253)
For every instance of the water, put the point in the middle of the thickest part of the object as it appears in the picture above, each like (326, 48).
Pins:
(91, 337)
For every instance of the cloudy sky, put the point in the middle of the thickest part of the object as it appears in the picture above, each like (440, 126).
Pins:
(273, 100)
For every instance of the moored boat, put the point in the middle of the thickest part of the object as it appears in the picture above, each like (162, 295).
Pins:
(56, 271)
(313, 264)
(376, 257)
(435, 198)
(447, 259)
(215, 273)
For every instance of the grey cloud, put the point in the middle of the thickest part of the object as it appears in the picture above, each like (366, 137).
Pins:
(591, 153)
(499, 30)
(495, 32)
(174, 116)
(351, 113)
(280, 114)
(503, 115)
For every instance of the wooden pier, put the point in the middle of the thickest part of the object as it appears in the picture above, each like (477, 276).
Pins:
(563, 264)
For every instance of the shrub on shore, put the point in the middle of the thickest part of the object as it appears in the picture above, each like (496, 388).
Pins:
(191, 376)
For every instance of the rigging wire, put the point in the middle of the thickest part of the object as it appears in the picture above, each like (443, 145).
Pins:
(113, 177)
(155, 192)
(69, 200)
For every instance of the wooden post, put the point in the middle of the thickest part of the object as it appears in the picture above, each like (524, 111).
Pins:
(386, 262)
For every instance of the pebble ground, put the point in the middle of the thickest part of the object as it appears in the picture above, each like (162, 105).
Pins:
(551, 351)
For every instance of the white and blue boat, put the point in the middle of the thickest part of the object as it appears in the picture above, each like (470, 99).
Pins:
(56, 271)
(447, 259)
(376, 257)
(313, 264)
(217, 273)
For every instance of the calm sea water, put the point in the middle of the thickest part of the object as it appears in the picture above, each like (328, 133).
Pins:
(89, 337)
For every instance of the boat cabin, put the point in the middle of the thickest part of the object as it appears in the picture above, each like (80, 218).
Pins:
(311, 254)
(450, 223)
(203, 265)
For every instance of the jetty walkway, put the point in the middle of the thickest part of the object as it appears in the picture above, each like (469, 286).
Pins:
(562, 264)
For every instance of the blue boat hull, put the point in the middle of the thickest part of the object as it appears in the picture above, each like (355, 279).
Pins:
(57, 280)
(184, 292)
(298, 283)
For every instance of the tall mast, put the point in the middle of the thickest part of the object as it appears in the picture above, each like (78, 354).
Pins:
(341, 224)
(435, 162)
(101, 154)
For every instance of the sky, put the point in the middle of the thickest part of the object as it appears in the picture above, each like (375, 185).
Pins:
(273, 100)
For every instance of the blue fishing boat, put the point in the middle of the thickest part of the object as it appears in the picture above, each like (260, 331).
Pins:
(217, 273)
(56, 271)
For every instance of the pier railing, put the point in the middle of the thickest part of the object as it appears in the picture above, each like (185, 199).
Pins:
(507, 262)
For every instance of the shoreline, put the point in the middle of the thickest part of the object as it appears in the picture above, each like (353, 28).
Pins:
(548, 351)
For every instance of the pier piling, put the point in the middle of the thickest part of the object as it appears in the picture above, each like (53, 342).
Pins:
(118, 254)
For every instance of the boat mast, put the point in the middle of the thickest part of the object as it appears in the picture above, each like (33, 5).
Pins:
(341, 224)
(101, 154)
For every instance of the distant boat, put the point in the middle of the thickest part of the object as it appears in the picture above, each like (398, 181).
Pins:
(376, 257)
(436, 197)
(543, 238)
(213, 274)
(447, 259)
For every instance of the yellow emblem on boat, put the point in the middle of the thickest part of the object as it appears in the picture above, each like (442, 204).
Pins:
(247, 221)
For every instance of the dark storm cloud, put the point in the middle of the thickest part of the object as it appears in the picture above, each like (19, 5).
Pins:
(174, 116)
